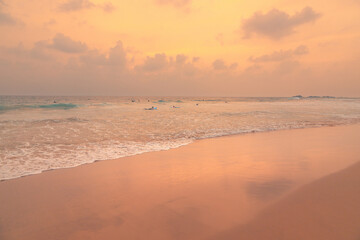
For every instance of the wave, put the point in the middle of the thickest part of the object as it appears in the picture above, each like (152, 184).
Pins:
(100, 151)
(80, 155)
(45, 121)
(237, 114)
(64, 106)
(59, 106)
(67, 156)
(209, 100)
(33, 141)
(168, 101)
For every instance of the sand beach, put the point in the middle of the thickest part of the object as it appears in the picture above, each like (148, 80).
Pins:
(289, 184)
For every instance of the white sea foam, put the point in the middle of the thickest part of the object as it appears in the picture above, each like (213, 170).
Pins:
(36, 139)
(34, 160)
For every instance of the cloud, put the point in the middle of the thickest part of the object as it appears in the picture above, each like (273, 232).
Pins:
(117, 55)
(301, 50)
(195, 59)
(281, 55)
(167, 67)
(277, 24)
(75, 5)
(286, 67)
(7, 19)
(233, 66)
(181, 59)
(219, 64)
(108, 7)
(39, 70)
(175, 3)
(182, 66)
(155, 63)
(65, 44)
(50, 22)
(220, 38)
(94, 58)
(20, 53)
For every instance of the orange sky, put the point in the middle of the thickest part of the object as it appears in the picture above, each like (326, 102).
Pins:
(180, 47)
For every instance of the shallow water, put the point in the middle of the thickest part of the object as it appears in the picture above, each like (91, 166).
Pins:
(42, 133)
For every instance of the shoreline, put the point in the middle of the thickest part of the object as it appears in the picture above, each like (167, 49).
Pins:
(193, 192)
(192, 142)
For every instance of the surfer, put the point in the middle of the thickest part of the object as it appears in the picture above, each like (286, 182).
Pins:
(152, 108)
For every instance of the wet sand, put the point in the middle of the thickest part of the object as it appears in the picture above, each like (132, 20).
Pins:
(277, 185)
(327, 209)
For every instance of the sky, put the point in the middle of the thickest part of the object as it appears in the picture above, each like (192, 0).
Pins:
(180, 47)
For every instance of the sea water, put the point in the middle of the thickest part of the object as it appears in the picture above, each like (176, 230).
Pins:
(44, 133)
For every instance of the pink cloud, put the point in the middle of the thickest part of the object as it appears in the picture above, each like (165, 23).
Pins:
(155, 63)
(65, 44)
(277, 24)
(76, 5)
(175, 3)
(281, 55)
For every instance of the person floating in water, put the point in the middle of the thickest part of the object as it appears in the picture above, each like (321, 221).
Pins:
(152, 108)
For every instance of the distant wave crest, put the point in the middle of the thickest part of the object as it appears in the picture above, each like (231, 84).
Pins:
(46, 106)
(59, 105)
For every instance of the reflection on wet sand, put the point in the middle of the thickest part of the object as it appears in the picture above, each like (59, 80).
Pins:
(327, 209)
(269, 189)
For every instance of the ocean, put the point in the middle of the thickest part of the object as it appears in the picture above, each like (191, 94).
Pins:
(44, 133)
